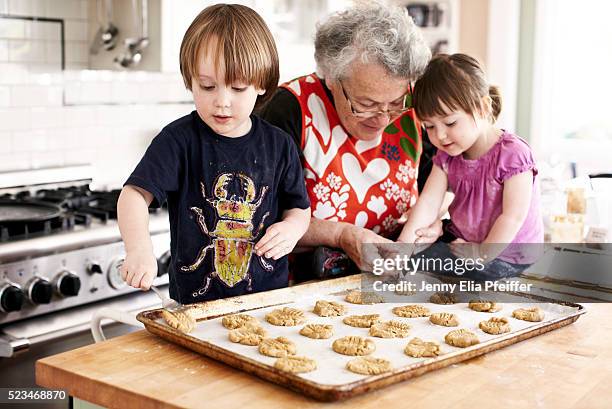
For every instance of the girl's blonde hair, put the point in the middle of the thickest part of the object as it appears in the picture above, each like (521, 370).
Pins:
(458, 82)
(241, 41)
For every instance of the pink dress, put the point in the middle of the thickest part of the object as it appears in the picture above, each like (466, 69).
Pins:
(478, 186)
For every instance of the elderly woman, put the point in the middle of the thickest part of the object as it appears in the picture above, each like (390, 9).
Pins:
(353, 123)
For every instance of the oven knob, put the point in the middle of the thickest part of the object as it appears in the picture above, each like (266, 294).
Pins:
(40, 291)
(67, 284)
(11, 298)
(163, 264)
(94, 268)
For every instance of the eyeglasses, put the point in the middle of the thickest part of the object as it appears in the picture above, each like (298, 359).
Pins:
(371, 114)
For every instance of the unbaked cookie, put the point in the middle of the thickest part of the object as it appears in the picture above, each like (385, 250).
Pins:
(354, 345)
(296, 364)
(277, 347)
(179, 320)
(359, 297)
(286, 317)
(237, 320)
(461, 338)
(361, 321)
(534, 314)
(329, 309)
(443, 298)
(367, 365)
(411, 311)
(247, 335)
(445, 319)
(317, 331)
(495, 325)
(484, 306)
(390, 329)
(417, 348)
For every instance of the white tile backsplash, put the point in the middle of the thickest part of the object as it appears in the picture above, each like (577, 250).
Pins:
(5, 96)
(6, 143)
(77, 52)
(29, 141)
(10, 28)
(67, 9)
(76, 30)
(15, 161)
(36, 95)
(35, 8)
(3, 50)
(12, 119)
(48, 118)
(43, 30)
(26, 51)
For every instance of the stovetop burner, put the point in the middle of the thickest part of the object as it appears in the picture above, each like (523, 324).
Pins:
(25, 215)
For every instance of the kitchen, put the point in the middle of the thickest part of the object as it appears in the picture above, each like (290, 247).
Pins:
(82, 95)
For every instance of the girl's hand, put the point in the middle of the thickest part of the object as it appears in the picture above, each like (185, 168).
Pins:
(280, 239)
(139, 269)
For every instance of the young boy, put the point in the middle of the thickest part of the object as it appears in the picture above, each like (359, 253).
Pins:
(228, 176)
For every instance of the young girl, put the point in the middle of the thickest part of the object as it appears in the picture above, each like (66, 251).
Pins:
(491, 171)
(229, 177)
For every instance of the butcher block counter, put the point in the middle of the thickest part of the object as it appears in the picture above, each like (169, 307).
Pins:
(570, 367)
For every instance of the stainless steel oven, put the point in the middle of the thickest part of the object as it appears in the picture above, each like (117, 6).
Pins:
(60, 252)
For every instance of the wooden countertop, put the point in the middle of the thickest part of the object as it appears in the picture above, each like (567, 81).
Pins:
(570, 367)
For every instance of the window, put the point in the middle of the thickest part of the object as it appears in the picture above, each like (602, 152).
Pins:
(571, 114)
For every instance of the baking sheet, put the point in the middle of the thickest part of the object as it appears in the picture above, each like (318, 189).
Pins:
(331, 365)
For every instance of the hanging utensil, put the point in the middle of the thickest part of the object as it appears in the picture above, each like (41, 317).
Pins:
(133, 45)
(107, 35)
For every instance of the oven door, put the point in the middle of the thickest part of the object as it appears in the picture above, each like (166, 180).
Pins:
(22, 343)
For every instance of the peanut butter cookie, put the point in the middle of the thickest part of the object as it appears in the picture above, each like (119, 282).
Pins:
(179, 320)
(237, 320)
(495, 325)
(329, 309)
(354, 345)
(367, 365)
(359, 297)
(317, 331)
(390, 329)
(277, 347)
(484, 306)
(461, 338)
(247, 335)
(411, 311)
(296, 364)
(443, 298)
(534, 314)
(361, 321)
(286, 317)
(417, 348)
(445, 319)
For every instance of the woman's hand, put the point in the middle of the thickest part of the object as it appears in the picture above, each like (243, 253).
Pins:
(139, 269)
(361, 245)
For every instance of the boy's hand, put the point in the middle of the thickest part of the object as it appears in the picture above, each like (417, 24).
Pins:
(139, 269)
(279, 240)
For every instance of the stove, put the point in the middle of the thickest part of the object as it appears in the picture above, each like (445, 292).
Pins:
(61, 250)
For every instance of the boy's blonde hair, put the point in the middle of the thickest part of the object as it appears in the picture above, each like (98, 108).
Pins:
(458, 82)
(241, 41)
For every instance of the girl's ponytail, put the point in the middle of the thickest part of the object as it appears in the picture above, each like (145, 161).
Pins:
(496, 101)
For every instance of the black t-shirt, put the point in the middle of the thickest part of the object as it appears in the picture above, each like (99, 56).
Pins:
(283, 110)
(222, 194)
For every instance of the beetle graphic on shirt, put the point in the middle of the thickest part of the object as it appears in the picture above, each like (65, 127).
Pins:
(232, 238)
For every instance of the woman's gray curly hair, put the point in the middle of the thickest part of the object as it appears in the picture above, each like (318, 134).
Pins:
(375, 33)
